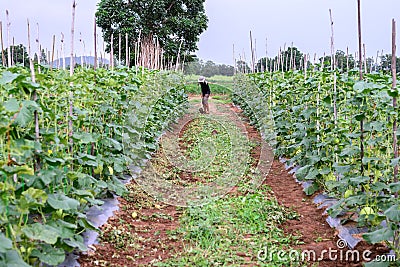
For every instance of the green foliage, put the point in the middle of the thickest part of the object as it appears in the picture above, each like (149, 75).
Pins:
(168, 22)
(328, 149)
(19, 55)
(218, 231)
(47, 185)
(208, 68)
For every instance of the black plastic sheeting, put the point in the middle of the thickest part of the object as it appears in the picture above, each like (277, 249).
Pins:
(98, 215)
(324, 201)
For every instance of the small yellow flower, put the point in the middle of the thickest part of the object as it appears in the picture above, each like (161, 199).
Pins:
(111, 170)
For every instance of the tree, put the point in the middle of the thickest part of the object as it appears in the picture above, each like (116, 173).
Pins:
(291, 58)
(209, 69)
(175, 24)
(19, 55)
(341, 61)
(386, 63)
(193, 67)
(242, 66)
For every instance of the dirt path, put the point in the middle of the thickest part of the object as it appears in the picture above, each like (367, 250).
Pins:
(142, 232)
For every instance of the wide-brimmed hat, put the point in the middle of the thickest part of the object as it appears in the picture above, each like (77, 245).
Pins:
(201, 79)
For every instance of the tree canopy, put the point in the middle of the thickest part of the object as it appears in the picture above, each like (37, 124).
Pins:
(208, 68)
(175, 24)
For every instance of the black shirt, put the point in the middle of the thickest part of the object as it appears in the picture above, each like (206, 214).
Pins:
(205, 89)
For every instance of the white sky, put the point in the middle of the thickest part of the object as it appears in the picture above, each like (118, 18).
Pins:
(303, 22)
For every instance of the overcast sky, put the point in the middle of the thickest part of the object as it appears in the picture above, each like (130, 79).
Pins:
(304, 22)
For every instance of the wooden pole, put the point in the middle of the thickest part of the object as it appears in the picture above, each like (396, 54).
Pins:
(71, 73)
(359, 39)
(126, 50)
(333, 67)
(34, 98)
(112, 51)
(252, 53)
(234, 59)
(333, 57)
(119, 48)
(365, 59)
(12, 52)
(63, 50)
(394, 82)
(72, 59)
(52, 52)
(361, 78)
(95, 44)
(3, 58)
(8, 40)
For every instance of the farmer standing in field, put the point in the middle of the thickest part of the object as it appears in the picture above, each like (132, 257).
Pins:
(205, 93)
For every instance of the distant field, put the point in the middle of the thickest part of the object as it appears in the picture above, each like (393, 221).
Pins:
(219, 84)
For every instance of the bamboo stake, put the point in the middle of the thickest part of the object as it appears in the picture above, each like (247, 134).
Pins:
(126, 50)
(72, 60)
(82, 53)
(291, 58)
(395, 147)
(112, 52)
(359, 39)
(333, 57)
(394, 82)
(119, 48)
(95, 44)
(38, 48)
(58, 60)
(63, 50)
(3, 58)
(8, 40)
(234, 59)
(178, 56)
(12, 52)
(252, 53)
(52, 52)
(266, 53)
(34, 98)
(71, 73)
(365, 60)
(333, 67)
(361, 78)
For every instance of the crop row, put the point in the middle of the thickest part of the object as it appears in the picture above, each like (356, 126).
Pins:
(339, 131)
(94, 126)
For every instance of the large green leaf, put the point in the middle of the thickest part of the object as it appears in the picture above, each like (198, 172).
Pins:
(49, 255)
(31, 198)
(25, 115)
(5, 243)
(8, 77)
(38, 231)
(84, 138)
(76, 242)
(393, 213)
(59, 201)
(12, 259)
(11, 105)
(379, 235)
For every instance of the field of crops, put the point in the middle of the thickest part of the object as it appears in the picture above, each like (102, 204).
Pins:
(93, 126)
(338, 130)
